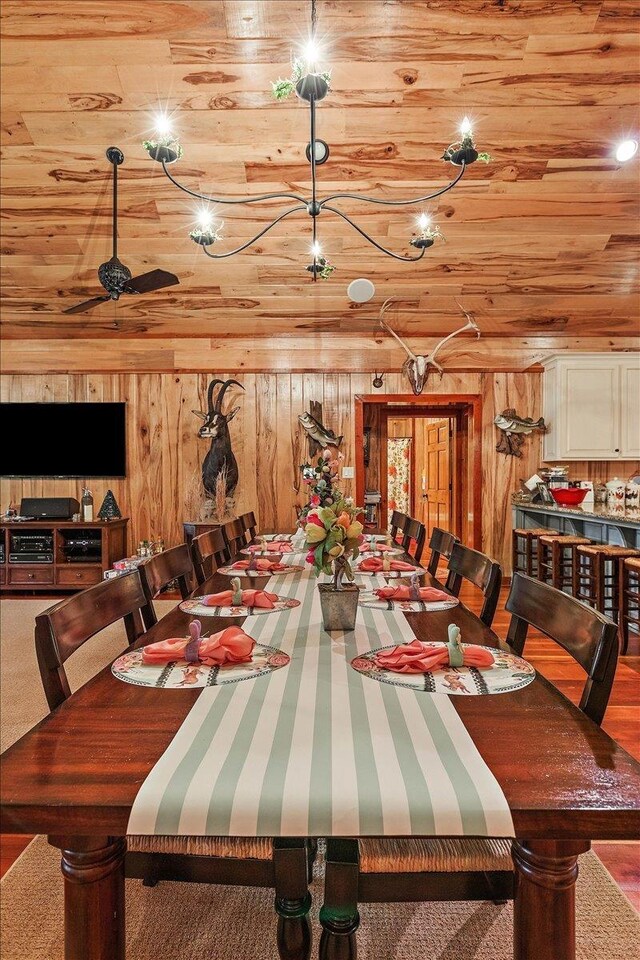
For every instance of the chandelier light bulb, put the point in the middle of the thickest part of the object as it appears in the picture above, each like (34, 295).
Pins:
(315, 249)
(466, 127)
(311, 54)
(626, 150)
(424, 221)
(162, 125)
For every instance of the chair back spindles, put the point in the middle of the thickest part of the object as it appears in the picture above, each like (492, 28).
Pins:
(414, 531)
(233, 531)
(64, 627)
(481, 571)
(208, 552)
(249, 525)
(441, 544)
(584, 633)
(162, 569)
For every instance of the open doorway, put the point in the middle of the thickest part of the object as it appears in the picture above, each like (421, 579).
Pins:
(421, 456)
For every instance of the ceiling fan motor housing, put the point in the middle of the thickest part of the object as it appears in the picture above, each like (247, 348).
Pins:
(113, 275)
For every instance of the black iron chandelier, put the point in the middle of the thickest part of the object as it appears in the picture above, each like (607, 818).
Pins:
(311, 86)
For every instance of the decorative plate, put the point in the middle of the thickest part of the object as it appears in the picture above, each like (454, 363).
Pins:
(507, 674)
(275, 555)
(390, 574)
(287, 568)
(388, 553)
(369, 599)
(180, 675)
(198, 609)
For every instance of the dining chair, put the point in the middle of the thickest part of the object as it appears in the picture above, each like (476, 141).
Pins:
(233, 531)
(414, 531)
(208, 552)
(282, 864)
(441, 544)
(379, 870)
(397, 525)
(481, 571)
(162, 569)
(249, 525)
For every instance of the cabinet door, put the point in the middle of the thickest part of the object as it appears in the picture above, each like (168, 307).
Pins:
(550, 407)
(630, 409)
(590, 418)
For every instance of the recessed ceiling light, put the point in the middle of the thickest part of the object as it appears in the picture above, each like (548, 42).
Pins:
(361, 290)
(626, 150)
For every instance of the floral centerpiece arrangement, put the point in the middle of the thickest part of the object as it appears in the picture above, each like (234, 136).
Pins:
(321, 480)
(334, 536)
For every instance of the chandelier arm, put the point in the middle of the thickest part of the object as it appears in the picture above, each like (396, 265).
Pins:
(203, 196)
(390, 253)
(396, 203)
(287, 213)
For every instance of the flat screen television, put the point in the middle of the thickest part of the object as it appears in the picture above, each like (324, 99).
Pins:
(63, 440)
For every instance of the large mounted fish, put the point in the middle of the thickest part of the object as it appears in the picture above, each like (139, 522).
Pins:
(326, 438)
(514, 430)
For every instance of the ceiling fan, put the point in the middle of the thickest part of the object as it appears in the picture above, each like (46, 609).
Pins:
(113, 275)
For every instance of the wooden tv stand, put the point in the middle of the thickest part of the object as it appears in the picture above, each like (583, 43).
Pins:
(63, 573)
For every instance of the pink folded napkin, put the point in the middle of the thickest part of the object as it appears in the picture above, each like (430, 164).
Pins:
(231, 645)
(250, 598)
(428, 594)
(273, 546)
(375, 565)
(419, 657)
(259, 563)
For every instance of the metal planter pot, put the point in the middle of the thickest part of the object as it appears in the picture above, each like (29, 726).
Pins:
(339, 607)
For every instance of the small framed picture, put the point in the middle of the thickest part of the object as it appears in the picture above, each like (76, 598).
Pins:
(544, 494)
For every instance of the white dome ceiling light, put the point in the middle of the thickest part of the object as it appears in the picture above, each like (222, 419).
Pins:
(626, 150)
(361, 290)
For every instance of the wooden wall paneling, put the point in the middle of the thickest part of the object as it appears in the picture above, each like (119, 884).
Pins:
(298, 441)
(269, 489)
(284, 513)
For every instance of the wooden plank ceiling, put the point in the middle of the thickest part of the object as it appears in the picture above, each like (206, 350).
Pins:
(541, 244)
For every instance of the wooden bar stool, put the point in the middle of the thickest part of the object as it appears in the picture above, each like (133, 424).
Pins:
(555, 559)
(596, 578)
(629, 598)
(524, 548)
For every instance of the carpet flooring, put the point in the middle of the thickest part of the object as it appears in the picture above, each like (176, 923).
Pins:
(227, 923)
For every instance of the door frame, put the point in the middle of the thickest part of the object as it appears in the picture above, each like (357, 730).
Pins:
(469, 403)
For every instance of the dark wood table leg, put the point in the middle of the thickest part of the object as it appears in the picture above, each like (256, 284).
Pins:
(339, 913)
(544, 905)
(93, 871)
(293, 899)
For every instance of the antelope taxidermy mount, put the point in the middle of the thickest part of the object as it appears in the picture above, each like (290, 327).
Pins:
(416, 368)
(216, 429)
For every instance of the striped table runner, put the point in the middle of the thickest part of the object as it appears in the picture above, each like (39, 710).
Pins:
(317, 749)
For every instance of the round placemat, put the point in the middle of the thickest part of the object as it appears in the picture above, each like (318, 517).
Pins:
(269, 555)
(286, 568)
(391, 574)
(197, 608)
(369, 599)
(507, 674)
(368, 552)
(178, 674)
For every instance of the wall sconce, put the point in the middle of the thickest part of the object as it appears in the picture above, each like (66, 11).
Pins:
(378, 382)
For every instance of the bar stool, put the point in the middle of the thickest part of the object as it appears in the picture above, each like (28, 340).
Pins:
(629, 598)
(596, 579)
(555, 559)
(524, 545)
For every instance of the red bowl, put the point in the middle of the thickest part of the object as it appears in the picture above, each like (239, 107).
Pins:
(569, 496)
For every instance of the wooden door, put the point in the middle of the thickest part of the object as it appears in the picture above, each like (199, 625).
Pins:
(433, 487)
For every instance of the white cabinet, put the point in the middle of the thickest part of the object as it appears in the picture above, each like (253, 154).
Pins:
(591, 405)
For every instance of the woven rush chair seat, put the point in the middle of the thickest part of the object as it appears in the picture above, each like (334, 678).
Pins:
(633, 563)
(608, 550)
(566, 540)
(533, 531)
(467, 855)
(244, 848)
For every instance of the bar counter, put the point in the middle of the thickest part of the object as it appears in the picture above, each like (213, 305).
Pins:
(602, 524)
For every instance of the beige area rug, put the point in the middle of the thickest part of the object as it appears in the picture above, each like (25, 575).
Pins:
(192, 921)
(22, 700)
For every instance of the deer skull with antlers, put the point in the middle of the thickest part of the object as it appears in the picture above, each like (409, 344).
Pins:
(416, 368)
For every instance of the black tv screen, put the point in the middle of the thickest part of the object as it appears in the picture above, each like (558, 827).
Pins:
(63, 440)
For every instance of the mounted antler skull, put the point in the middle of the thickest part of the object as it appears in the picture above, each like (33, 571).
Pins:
(416, 368)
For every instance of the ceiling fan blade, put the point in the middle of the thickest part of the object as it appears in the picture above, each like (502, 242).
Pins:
(153, 280)
(87, 305)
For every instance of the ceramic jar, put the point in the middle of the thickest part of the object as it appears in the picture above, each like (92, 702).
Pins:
(632, 496)
(615, 492)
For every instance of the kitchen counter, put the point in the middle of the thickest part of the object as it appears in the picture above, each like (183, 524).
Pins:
(601, 523)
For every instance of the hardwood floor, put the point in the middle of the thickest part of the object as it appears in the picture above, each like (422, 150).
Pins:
(622, 722)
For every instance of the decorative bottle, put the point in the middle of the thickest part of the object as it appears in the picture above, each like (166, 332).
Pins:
(87, 506)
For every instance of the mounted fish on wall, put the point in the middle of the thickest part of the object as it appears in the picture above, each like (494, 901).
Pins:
(514, 430)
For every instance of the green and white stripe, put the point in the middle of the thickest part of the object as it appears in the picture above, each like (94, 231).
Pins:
(318, 749)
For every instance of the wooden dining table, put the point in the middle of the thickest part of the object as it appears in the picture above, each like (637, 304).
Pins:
(76, 774)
